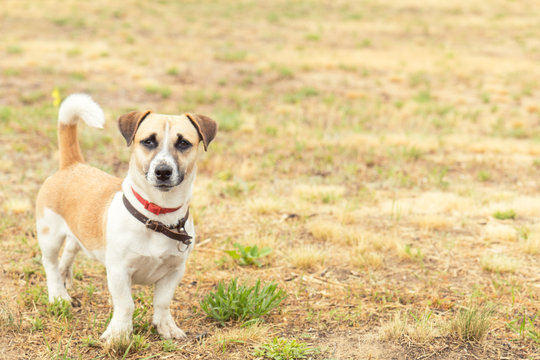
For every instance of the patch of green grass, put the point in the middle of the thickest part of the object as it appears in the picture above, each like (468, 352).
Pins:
(141, 317)
(229, 121)
(472, 323)
(423, 97)
(89, 341)
(60, 309)
(123, 346)
(412, 153)
(284, 349)
(527, 327)
(230, 55)
(77, 75)
(169, 346)
(11, 72)
(8, 317)
(505, 215)
(248, 255)
(34, 295)
(5, 114)
(271, 131)
(37, 324)
(283, 71)
(299, 95)
(192, 99)
(162, 91)
(241, 302)
(74, 52)
(32, 97)
(14, 50)
(484, 176)
(173, 71)
(313, 37)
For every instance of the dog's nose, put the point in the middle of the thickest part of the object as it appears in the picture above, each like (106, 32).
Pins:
(163, 172)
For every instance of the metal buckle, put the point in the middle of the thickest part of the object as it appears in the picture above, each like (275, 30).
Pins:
(185, 249)
(151, 224)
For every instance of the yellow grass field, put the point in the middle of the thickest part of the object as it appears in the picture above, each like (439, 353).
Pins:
(388, 153)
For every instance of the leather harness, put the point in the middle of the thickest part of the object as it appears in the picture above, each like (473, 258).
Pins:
(176, 232)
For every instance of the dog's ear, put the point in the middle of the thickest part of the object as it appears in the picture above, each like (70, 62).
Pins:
(206, 127)
(129, 123)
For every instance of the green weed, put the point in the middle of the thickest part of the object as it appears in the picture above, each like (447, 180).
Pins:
(230, 55)
(241, 302)
(484, 176)
(283, 349)
(37, 324)
(89, 341)
(248, 255)
(505, 215)
(229, 121)
(162, 91)
(60, 309)
(169, 346)
(527, 327)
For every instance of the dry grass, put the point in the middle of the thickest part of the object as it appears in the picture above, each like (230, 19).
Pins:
(368, 144)
(306, 257)
(419, 329)
(499, 263)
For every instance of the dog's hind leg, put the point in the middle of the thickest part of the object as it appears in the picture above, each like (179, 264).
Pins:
(66, 261)
(50, 239)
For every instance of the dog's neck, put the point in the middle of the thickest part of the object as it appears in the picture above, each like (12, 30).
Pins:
(179, 196)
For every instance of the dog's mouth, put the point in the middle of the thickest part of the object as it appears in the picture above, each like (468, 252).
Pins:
(164, 187)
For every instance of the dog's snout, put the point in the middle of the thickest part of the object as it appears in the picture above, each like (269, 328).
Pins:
(163, 172)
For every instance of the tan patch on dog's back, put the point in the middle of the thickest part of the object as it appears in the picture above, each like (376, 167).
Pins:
(80, 194)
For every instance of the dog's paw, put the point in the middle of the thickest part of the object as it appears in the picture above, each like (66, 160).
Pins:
(168, 330)
(116, 334)
(61, 295)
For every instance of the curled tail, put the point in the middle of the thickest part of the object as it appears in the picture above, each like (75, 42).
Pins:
(74, 108)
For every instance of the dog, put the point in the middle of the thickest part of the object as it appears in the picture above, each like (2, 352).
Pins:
(139, 227)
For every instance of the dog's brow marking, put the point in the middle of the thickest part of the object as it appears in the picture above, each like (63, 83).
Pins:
(165, 149)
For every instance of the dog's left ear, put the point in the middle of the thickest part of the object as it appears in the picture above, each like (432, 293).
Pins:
(129, 123)
(206, 127)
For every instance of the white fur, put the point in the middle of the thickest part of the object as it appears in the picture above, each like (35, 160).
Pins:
(163, 157)
(81, 106)
(136, 255)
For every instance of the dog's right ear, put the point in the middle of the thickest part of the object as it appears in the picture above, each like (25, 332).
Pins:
(129, 123)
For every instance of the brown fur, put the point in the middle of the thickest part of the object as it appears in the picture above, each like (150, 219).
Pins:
(80, 194)
(206, 127)
(68, 142)
(129, 123)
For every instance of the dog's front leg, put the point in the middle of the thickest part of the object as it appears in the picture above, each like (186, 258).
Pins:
(163, 294)
(121, 325)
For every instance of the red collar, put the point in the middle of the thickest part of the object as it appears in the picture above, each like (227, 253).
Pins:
(153, 208)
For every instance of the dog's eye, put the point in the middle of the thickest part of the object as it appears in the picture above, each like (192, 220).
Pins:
(150, 142)
(183, 144)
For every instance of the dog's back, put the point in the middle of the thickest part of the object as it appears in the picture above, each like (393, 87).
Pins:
(78, 193)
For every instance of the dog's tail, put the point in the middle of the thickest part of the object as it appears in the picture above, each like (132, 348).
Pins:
(74, 108)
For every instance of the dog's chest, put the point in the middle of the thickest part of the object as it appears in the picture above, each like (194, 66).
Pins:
(147, 255)
(149, 269)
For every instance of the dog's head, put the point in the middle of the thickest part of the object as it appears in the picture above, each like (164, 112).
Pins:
(165, 147)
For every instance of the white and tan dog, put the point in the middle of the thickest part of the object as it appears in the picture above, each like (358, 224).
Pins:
(88, 209)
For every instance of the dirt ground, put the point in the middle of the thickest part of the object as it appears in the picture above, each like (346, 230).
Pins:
(388, 153)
